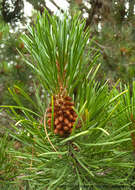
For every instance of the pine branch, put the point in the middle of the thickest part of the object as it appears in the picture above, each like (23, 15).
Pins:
(56, 5)
(84, 138)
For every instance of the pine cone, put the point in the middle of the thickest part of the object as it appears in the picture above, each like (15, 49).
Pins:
(64, 115)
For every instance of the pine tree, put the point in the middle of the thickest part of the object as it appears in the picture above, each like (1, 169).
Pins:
(94, 153)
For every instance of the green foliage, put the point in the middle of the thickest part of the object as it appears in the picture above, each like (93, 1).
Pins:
(111, 24)
(95, 155)
(125, 113)
(7, 162)
(62, 42)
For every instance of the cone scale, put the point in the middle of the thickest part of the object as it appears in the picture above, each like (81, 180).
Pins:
(64, 115)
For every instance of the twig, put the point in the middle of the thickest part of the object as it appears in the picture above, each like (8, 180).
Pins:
(57, 6)
(101, 46)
